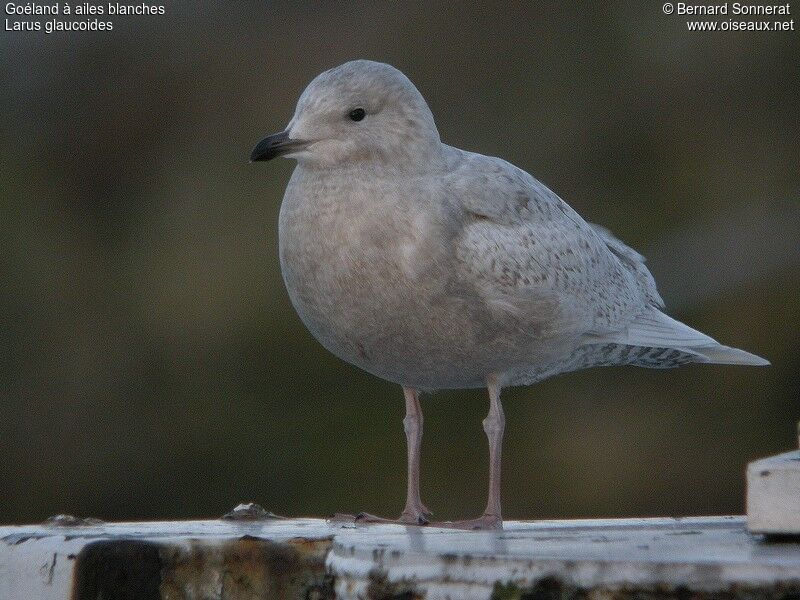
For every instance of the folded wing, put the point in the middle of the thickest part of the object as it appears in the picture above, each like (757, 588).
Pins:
(528, 253)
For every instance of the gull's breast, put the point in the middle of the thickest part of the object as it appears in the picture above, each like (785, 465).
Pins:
(372, 280)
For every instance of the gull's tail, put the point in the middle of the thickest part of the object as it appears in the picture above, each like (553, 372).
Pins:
(653, 329)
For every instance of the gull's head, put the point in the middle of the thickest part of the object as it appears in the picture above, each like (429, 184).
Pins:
(359, 112)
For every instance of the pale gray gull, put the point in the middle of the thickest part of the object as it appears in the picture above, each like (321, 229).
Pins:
(435, 268)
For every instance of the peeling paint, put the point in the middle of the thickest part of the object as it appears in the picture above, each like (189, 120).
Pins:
(52, 569)
(247, 568)
(250, 511)
(380, 588)
(71, 521)
(117, 569)
(552, 588)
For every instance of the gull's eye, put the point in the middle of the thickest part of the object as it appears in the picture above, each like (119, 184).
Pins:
(357, 114)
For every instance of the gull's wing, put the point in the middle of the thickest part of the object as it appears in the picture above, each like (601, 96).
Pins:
(525, 250)
(633, 261)
(530, 255)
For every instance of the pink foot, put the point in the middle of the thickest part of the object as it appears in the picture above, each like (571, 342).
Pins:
(368, 518)
(407, 518)
(484, 523)
(415, 513)
(415, 517)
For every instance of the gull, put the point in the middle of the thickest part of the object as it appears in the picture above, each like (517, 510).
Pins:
(437, 268)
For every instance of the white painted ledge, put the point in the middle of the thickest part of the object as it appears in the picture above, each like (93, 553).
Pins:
(311, 558)
(773, 494)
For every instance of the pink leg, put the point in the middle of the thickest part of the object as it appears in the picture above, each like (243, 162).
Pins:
(494, 425)
(415, 511)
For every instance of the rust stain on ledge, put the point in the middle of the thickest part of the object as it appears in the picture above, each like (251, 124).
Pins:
(247, 568)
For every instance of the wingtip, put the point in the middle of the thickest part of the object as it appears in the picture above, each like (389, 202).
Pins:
(725, 355)
(754, 360)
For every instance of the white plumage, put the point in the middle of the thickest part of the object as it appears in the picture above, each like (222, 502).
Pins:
(436, 268)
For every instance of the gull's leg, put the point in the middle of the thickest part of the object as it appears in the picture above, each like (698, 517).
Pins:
(494, 425)
(415, 511)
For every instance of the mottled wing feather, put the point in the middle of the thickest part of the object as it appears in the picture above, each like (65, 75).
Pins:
(633, 261)
(521, 243)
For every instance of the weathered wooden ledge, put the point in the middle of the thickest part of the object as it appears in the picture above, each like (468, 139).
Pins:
(702, 557)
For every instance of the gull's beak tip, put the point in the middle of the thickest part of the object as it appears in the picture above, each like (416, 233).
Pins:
(278, 144)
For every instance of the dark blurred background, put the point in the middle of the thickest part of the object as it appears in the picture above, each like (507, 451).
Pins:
(151, 365)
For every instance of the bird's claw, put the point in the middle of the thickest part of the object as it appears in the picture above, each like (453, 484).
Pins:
(416, 514)
(414, 518)
(483, 523)
(364, 517)
(407, 518)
